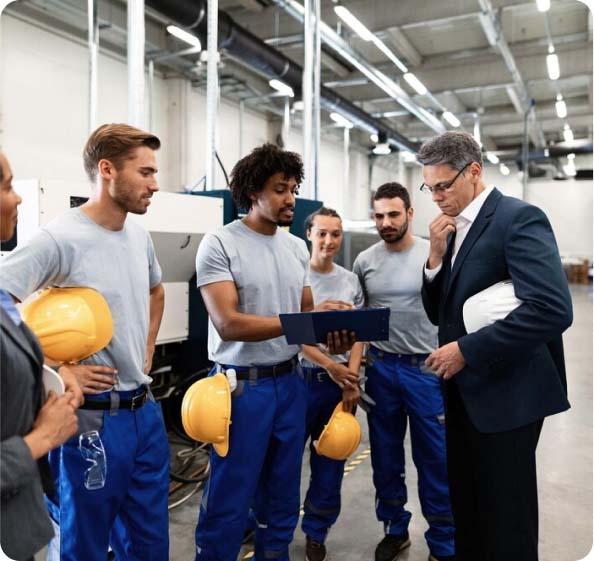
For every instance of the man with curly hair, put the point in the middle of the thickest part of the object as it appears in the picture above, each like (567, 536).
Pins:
(249, 272)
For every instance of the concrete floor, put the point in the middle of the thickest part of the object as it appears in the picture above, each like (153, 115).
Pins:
(564, 466)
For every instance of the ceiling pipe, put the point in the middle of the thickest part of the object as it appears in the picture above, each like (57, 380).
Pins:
(136, 39)
(249, 49)
(340, 46)
(492, 28)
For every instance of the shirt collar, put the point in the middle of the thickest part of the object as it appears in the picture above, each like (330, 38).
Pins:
(7, 304)
(469, 214)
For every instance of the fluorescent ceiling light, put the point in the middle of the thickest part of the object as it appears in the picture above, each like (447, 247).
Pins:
(568, 134)
(553, 66)
(493, 158)
(281, 87)
(382, 149)
(543, 5)
(340, 120)
(384, 49)
(353, 23)
(561, 107)
(184, 36)
(374, 138)
(503, 169)
(408, 156)
(415, 83)
(451, 118)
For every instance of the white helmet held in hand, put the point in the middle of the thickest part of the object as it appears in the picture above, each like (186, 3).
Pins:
(489, 305)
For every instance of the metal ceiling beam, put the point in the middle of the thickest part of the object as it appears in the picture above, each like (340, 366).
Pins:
(384, 16)
(575, 62)
(492, 28)
(403, 47)
(334, 41)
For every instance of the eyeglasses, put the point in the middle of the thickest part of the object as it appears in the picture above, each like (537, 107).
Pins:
(443, 188)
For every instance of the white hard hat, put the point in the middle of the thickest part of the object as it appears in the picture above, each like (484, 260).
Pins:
(489, 305)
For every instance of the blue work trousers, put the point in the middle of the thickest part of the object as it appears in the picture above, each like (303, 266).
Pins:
(262, 469)
(322, 501)
(404, 389)
(135, 494)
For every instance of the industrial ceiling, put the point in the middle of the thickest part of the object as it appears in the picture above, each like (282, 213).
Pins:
(484, 61)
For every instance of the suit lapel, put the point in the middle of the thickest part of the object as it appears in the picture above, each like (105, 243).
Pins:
(477, 228)
(15, 333)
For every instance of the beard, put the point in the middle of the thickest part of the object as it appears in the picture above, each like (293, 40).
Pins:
(127, 200)
(393, 235)
(286, 221)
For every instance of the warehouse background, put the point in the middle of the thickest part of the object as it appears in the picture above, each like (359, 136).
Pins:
(463, 51)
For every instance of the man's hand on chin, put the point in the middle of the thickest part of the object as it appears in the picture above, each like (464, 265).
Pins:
(446, 361)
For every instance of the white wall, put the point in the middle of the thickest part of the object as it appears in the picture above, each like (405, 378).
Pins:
(44, 100)
(568, 205)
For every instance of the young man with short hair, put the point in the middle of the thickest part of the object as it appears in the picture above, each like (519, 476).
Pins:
(96, 246)
(403, 388)
(249, 272)
(329, 379)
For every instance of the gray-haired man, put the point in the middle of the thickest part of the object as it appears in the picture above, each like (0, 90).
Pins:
(502, 380)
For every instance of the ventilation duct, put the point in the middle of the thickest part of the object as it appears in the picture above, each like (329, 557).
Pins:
(244, 46)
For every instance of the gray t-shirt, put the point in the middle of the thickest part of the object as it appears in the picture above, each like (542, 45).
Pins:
(338, 284)
(269, 272)
(73, 250)
(394, 279)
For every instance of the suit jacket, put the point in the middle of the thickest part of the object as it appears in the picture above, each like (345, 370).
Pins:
(515, 370)
(24, 524)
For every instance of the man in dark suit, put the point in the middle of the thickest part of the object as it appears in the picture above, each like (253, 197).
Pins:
(29, 430)
(502, 380)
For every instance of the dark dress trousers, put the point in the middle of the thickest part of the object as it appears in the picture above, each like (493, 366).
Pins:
(513, 378)
(25, 526)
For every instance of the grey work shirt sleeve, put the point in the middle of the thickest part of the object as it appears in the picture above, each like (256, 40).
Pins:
(359, 300)
(212, 262)
(305, 260)
(155, 273)
(358, 270)
(18, 468)
(32, 266)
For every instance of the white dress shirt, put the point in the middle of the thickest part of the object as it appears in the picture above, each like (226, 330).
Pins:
(464, 221)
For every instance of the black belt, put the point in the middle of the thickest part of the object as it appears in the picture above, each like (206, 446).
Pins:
(316, 374)
(255, 372)
(136, 402)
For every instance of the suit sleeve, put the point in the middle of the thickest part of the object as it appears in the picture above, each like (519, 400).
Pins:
(430, 293)
(18, 468)
(539, 281)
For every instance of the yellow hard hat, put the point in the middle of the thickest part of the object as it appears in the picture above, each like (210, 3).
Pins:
(340, 436)
(70, 323)
(206, 412)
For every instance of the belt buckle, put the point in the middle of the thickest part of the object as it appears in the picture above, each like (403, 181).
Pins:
(138, 401)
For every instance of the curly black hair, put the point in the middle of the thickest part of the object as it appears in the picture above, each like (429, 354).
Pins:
(252, 171)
